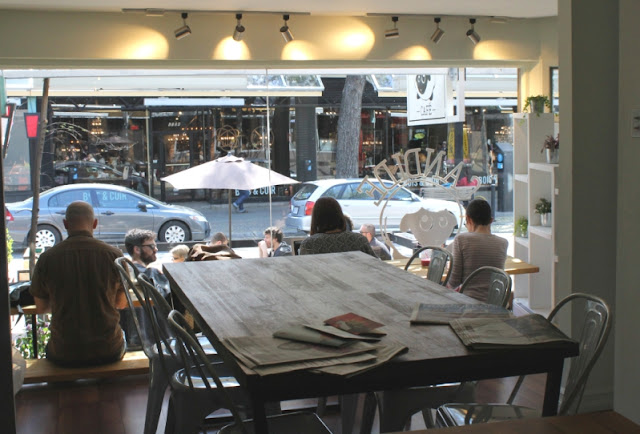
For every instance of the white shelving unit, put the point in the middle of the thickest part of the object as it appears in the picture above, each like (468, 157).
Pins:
(534, 179)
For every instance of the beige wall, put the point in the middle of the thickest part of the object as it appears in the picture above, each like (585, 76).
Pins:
(41, 39)
(627, 348)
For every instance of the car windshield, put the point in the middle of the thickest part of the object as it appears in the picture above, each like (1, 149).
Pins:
(305, 192)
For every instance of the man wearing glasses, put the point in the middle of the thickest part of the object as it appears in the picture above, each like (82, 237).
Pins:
(141, 246)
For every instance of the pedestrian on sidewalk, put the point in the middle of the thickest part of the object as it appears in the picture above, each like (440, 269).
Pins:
(238, 204)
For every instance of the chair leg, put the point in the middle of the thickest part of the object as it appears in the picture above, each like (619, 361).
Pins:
(348, 409)
(369, 412)
(322, 406)
(188, 412)
(158, 383)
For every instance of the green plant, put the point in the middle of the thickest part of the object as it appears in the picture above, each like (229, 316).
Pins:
(536, 101)
(543, 206)
(521, 227)
(9, 248)
(551, 143)
(25, 343)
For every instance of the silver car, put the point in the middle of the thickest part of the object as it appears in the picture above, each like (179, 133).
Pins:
(359, 206)
(117, 209)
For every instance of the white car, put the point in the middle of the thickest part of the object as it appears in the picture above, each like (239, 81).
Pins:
(361, 207)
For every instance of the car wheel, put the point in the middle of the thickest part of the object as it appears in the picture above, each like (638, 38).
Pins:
(47, 236)
(174, 232)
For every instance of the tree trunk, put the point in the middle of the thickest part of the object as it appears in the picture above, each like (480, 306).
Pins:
(35, 173)
(349, 125)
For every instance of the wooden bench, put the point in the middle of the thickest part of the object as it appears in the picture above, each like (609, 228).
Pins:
(44, 371)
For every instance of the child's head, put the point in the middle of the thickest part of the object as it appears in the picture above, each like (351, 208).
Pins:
(179, 253)
(479, 211)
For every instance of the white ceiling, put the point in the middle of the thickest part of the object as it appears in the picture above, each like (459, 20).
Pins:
(497, 8)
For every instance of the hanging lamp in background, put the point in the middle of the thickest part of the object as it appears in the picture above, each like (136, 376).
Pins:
(471, 33)
(392, 33)
(285, 31)
(185, 30)
(238, 32)
(438, 33)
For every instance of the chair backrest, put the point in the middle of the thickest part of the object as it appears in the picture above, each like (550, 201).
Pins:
(497, 282)
(441, 262)
(591, 336)
(196, 363)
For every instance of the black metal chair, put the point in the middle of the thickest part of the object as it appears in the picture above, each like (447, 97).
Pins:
(497, 282)
(596, 324)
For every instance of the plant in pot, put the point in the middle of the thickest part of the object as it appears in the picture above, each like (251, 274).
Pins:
(551, 147)
(543, 207)
(521, 227)
(536, 104)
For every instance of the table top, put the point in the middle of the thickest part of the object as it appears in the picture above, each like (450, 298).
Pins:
(511, 266)
(256, 297)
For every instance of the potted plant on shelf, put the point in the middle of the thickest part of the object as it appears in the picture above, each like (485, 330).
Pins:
(536, 104)
(543, 207)
(521, 226)
(551, 147)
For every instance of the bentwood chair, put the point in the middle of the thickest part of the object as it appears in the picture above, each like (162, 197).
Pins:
(497, 282)
(596, 324)
(157, 343)
(440, 265)
(202, 379)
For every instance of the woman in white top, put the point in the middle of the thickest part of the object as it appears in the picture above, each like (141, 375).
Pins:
(476, 248)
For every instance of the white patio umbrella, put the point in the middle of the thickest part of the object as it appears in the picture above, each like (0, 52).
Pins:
(229, 172)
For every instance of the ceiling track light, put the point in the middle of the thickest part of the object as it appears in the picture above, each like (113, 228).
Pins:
(471, 33)
(438, 33)
(285, 31)
(392, 33)
(238, 32)
(185, 30)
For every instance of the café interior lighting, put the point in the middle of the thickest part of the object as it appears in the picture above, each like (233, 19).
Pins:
(285, 31)
(438, 33)
(185, 30)
(238, 32)
(392, 33)
(471, 33)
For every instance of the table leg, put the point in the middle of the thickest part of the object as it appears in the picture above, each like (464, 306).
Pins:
(552, 390)
(259, 415)
(34, 335)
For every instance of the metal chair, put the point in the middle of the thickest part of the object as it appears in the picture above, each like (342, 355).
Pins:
(397, 406)
(200, 377)
(440, 260)
(596, 324)
(497, 282)
(157, 343)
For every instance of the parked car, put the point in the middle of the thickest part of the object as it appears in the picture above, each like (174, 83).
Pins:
(117, 209)
(74, 172)
(359, 206)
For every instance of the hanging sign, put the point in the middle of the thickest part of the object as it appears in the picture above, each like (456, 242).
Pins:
(430, 97)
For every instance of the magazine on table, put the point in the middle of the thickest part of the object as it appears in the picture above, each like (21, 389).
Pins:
(356, 324)
(444, 313)
(523, 331)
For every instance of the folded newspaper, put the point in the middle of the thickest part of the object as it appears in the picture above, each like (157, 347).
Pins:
(303, 334)
(444, 313)
(495, 333)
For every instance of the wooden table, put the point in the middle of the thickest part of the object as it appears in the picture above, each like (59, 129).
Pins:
(255, 297)
(604, 422)
(511, 266)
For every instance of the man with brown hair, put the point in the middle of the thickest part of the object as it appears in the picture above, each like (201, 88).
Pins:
(79, 284)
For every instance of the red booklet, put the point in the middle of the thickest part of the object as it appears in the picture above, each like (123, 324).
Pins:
(355, 324)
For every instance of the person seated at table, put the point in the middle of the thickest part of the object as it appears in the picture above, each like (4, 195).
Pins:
(328, 232)
(79, 284)
(219, 239)
(141, 246)
(273, 239)
(476, 248)
(179, 253)
(369, 232)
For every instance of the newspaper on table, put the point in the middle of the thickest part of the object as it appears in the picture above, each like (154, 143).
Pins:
(303, 334)
(314, 364)
(444, 313)
(383, 353)
(266, 351)
(331, 330)
(495, 333)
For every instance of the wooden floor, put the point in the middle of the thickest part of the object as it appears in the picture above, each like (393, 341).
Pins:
(118, 406)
